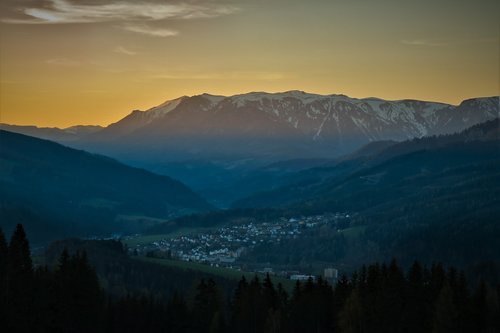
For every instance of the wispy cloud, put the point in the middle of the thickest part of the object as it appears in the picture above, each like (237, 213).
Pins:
(147, 30)
(424, 42)
(122, 50)
(64, 11)
(235, 75)
(65, 62)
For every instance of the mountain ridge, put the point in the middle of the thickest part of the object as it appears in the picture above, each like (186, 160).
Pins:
(484, 136)
(208, 142)
(420, 117)
(293, 124)
(73, 192)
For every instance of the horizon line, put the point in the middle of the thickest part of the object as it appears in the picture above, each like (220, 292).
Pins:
(248, 93)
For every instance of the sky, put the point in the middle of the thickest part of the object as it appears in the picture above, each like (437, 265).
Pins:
(69, 62)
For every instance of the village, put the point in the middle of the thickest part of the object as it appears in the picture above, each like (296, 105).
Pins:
(224, 246)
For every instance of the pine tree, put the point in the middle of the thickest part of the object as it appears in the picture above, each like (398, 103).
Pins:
(416, 310)
(342, 291)
(351, 316)
(3, 276)
(78, 295)
(19, 282)
(269, 293)
(208, 307)
(240, 308)
(3, 260)
(177, 314)
(256, 304)
(271, 306)
(445, 312)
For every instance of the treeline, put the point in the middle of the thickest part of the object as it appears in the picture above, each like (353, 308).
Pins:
(120, 274)
(377, 298)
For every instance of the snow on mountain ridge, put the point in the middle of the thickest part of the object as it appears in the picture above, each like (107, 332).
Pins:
(164, 108)
(325, 119)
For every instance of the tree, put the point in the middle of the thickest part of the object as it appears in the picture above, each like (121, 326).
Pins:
(351, 316)
(416, 309)
(3, 260)
(78, 295)
(19, 282)
(342, 291)
(445, 312)
(3, 275)
(208, 308)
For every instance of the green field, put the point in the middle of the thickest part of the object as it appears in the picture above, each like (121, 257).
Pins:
(227, 273)
(148, 239)
(354, 232)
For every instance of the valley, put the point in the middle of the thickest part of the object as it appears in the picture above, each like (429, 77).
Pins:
(235, 166)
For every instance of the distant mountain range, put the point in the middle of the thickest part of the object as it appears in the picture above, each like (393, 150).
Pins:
(57, 191)
(68, 134)
(213, 143)
(277, 126)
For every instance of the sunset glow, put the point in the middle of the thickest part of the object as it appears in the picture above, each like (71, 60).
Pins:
(68, 62)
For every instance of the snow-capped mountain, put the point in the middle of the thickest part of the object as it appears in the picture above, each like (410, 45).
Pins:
(285, 125)
(275, 126)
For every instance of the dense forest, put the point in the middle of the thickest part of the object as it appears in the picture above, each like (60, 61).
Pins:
(376, 298)
(58, 192)
(429, 198)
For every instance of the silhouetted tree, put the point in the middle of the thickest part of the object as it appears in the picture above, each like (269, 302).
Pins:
(208, 312)
(20, 292)
(3, 276)
(351, 316)
(78, 294)
(416, 308)
(445, 312)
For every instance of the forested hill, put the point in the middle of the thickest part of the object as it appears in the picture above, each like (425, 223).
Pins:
(334, 187)
(58, 191)
(69, 297)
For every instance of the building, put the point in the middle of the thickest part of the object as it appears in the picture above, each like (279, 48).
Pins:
(331, 274)
(302, 277)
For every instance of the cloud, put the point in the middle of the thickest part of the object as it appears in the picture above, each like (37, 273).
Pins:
(122, 50)
(64, 11)
(423, 42)
(147, 30)
(65, 62)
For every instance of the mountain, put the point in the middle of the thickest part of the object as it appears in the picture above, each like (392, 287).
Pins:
(57, 191)
(68, 134)
(136, 120)
(368, 174)
(215, 143)
(282, 126)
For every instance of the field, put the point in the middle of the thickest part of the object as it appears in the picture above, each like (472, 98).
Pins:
(227, 273)
(132, 241)
(353, 232)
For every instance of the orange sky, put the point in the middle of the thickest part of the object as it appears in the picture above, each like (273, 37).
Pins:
(67, 62)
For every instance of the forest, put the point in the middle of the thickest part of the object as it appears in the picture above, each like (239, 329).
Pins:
(380, 297)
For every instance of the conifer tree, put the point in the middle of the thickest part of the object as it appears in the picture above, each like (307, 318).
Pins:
(351, 316)
(208, 307)
(240, 308)
(416, 309)
(3, 276)
(445, 312)
(3, 260)
(19, 282)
